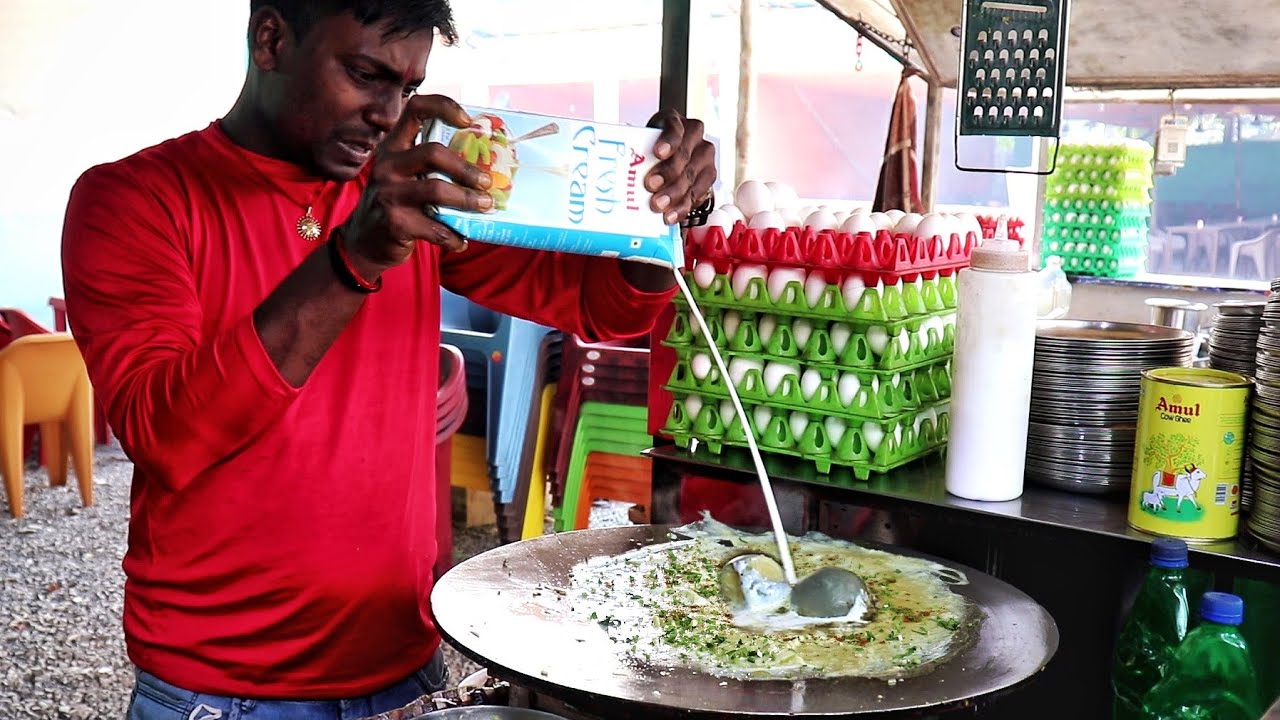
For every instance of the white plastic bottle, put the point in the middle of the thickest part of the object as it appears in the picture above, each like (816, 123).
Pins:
(991, 373)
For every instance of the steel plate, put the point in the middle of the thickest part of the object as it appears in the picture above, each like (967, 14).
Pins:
(501, 609)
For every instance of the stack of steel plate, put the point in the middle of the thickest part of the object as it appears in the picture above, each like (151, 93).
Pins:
(1084, 399)
(1233, 346)
(1233, 342)
(1264, 431)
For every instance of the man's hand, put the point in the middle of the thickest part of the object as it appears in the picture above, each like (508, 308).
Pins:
(683, 179)
(392, 216)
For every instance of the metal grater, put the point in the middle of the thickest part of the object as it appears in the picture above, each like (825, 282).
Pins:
(1012, 70)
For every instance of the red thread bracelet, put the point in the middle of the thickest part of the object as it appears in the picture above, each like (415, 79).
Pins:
(346, 271)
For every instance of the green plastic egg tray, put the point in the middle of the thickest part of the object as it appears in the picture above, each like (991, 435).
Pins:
(892, 306)
(931, 346)
(852, 451)
(1079, 205)
(877, 397)
(1094, 234)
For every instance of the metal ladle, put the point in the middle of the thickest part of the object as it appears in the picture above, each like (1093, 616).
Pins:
(756, 581)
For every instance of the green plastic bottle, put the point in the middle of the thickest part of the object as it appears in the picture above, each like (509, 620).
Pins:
(1153, 630)
(1211, 675)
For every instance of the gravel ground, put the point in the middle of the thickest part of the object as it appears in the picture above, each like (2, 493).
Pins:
(61, 590)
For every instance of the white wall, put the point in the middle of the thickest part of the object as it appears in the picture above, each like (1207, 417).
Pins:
(84, 82)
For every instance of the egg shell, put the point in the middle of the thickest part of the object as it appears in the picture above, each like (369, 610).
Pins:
(767, 219)
(735, 215)
(743, 276)
(858, 223)
(878, 339)
(814, 286)
(904, 341)
(907, 223)
(847, 388)
(753, 197)
(841, 217)
(776, 372)
(730, 322)
(693, 406)
(840, 335)
(930, 226)
(721, 219)
(727, 413)
(895, 215)
(766, 326)
(703, 275)
(802, 330)
(739, 367)
(784, 196)
(791, 217)
(835, 428)
(897, 435)
(896, 379)
(780, 278)
(762, 415)
(799, 423)
(882, 221)
(873, 434)
(701, 364)
(821, 220)
(810, 381)
(852, 290)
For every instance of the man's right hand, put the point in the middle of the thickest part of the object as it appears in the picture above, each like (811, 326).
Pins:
(392, 215)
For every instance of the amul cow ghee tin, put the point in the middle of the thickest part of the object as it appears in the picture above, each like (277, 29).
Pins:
(1190, 448)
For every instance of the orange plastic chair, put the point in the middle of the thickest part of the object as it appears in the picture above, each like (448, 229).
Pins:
(615, 477)
(43, 381)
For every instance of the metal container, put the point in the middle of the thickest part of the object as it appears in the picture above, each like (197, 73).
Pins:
(1190, 448)
(488, 712)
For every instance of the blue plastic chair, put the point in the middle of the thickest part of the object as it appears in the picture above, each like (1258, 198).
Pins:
(504, 352)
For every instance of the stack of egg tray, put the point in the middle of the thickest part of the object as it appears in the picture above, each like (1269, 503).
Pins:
(1098, 209)
(863, 386)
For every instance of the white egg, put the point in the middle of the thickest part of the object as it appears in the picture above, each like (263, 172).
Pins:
(739, 367)
(918, 422)
(907, 223)
(735, 215)
(721, 219)
(847, 388)
(693, 406)
(791, 218)
(882, 221)
(727, 413)
(840, 334)
(766, 326)
(730, 323)
(821, 220)
(814, 287)
(895, 215)
(780, 278)
(766, 219)
(923, 336)
(810, 381)
(904, 341)
(873, 434)
(743, 276)
(799, 423)
(784, 196)
(931, 226)
(776, 372)
(875, 384)
(801, 330)
(807, 210)
(896, 379)
(878, 339)
(703, 275)
(852, 290)
(841, 217)
(860, 211)
(858, 223)
(753, 197)
(763, 415)
(897, 435)
(701, 364)
(835, 429)
(694, 326)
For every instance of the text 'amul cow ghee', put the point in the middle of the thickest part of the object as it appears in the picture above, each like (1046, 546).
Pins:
(1190, 447)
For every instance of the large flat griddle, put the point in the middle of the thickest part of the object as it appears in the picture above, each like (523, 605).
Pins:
(502, 608)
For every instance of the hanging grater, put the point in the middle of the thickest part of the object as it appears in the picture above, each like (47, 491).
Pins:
(1013, 59)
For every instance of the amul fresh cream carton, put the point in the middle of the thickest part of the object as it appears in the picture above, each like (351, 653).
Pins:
(564, 185)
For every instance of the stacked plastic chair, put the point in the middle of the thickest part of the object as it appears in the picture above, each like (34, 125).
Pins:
(500, 353)
(599, 428)
(839, 344)
(525, 516)
(1098, 209)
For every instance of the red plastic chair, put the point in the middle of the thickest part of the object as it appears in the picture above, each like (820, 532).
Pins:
(451, 411)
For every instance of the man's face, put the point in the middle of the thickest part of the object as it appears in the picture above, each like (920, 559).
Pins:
(331, 99)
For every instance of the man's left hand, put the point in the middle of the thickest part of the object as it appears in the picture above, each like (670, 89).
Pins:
(683, 178)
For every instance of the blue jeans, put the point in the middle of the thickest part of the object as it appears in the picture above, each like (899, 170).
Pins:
(155, 699)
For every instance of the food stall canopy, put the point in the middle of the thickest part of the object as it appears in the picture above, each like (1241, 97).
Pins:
(1167, 44)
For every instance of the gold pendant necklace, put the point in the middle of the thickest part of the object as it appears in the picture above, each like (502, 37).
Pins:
(309, 227)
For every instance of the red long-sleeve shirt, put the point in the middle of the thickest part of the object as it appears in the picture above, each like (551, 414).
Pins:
(282, 539)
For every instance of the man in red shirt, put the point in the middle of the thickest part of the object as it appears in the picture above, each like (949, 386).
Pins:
(258, 305)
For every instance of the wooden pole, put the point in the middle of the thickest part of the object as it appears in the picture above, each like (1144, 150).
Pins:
(746, 93)
(932, 131)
